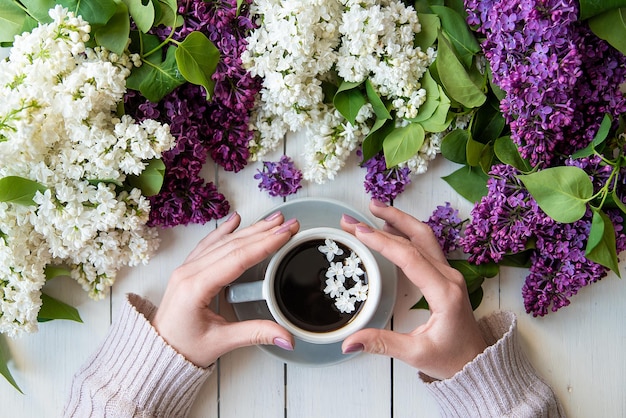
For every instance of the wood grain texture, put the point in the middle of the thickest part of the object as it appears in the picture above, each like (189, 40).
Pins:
(578, 350)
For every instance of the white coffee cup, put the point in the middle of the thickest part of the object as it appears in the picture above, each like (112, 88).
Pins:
(266, 290)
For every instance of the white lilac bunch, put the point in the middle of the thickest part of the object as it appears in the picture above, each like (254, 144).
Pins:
(330, 140)
(295, 53)
(344, 278)
(292, 47)
(59, 131)
(377, 44)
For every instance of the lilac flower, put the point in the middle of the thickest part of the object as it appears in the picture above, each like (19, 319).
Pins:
(383, 183)
(446, 225)
(559, 78)
(217, 127)
(280, 178)
(559, 267)
(504, 221)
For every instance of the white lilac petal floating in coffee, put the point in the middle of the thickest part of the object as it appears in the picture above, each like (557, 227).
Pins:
(350, 266)
(345, 303)
(331, 249)
(334, 288)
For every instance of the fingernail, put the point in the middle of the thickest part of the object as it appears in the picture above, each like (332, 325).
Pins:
(349, 219)
(354, 348)
(273, 216)
(286, 226)
(379, 203)
(364, 228)
(283, 343)
(232, 216)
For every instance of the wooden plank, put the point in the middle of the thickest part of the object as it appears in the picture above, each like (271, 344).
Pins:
(426, 192)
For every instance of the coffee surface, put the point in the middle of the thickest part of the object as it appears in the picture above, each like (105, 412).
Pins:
(299, 289)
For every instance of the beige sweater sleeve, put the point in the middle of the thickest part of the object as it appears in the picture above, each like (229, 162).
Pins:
(500, 382)
(135, 373)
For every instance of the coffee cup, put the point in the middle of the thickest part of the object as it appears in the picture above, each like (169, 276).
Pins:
(322, 285)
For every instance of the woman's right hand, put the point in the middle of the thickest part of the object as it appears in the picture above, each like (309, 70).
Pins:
(450, 338)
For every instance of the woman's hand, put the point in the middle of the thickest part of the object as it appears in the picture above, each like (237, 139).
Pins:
(184, 318)
(451, 338)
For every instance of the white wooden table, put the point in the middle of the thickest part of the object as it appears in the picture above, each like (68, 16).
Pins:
(580, 350)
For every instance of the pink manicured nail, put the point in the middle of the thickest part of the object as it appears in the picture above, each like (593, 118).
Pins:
(273, 216)
(283, 343)
(379, 203)
(364, 228)
(354, 348)
(232, 216)
(286, 226)
(349, 219)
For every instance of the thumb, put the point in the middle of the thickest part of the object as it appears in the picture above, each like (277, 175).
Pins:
(256, 332)
(380, 341)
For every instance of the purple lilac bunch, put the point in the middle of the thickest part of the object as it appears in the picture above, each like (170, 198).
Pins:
(218, 127)
(508, 221)
(559, 78)
(447, 226)
(383, 183)
(280, 178)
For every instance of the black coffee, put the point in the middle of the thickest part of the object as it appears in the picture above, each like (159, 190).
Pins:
(299, 288)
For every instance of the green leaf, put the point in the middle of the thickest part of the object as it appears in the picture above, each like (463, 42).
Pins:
(618, 201)
(12, 20)
(421, 304)
(95, 12)
(440, 120)
(454, 144)
(52, 272)
(521, 259)
(597, 231)
(19, 190)
(506, 150)
(469, 182)
(142, 12)
(599, 138)
(373, 142)
(377, 104)
(488, 122)
(455, 78)
(479, 154)
(197, 59)
(38, 9)
(459, 34)
(601, 247)
(403, 143)
(561, 192)
(5, 357)
(349, 100)
(430, 27)
(432, 102)
(52, 308)
(476, 298)
(474, 274)
(154, 79)
(114, 35)
(150, 180)
(590, 8)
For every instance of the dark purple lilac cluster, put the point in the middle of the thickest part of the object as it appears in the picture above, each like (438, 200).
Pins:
(280, 178)
(508, 221)
(446, 225)
(218, 127)
(559, 78)
(383, 183)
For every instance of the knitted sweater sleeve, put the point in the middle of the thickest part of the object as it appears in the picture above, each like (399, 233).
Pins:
(135, 373)
(500, 382)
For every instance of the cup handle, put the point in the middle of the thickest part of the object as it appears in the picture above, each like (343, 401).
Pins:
(245, 292)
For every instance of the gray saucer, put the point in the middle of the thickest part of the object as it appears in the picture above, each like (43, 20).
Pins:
(314, 212)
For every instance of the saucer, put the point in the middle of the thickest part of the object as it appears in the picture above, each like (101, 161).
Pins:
(311, 213)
